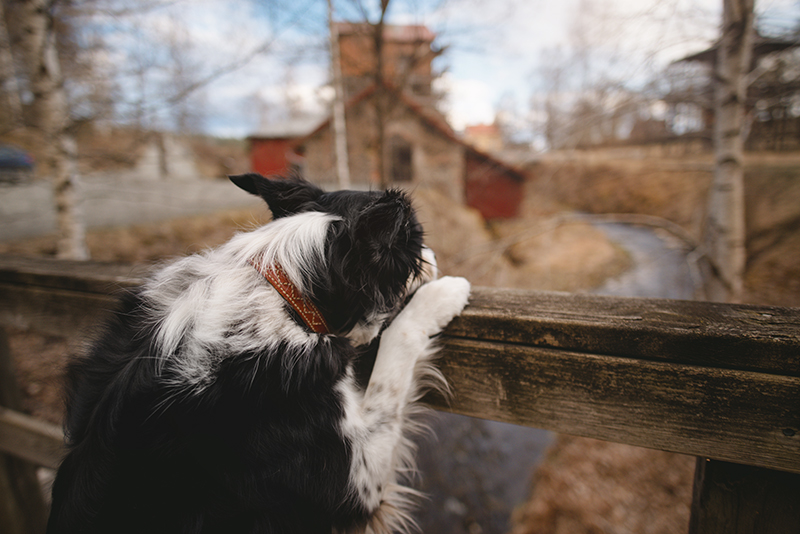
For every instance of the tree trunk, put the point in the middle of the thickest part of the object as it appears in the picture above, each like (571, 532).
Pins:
(339, 124)
(51, 118)
(381, 90)
(725, 226)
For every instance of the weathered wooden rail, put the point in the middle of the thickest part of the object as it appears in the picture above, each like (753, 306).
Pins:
(716, 381)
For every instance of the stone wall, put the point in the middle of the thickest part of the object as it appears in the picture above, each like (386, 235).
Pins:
(437, 160)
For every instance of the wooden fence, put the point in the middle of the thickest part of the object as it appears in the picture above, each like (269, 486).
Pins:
(716, 381)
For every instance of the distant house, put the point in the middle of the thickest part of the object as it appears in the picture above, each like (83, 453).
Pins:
(772, 96)
(421, 150)
(419, 147)
(274, 150)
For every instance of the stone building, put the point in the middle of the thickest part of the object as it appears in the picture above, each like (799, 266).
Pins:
(421, 150)
(417, 147)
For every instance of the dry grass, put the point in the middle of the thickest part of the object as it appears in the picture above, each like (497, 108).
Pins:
(529, 253)
(587, 486)
(151, 242)
(676, 190)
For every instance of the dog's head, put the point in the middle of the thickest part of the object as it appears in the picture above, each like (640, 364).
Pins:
(367, 260)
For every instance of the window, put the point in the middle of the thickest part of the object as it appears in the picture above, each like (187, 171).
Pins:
(401, 160)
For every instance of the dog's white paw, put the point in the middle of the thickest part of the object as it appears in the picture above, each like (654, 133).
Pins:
(436, 303)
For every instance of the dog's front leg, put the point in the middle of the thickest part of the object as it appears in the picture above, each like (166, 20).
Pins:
(403, 359)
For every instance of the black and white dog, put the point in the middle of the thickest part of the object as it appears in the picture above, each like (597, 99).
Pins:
(222, 396)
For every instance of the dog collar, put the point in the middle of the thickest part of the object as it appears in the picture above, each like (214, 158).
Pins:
(306, 309)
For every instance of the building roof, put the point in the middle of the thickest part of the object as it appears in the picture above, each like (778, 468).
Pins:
(288, 129)
(435, 122)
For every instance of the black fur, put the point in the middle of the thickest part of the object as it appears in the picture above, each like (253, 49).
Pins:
(257, 450)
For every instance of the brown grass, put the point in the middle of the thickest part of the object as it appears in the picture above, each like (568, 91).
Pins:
(151, 242)
(676, 190)
(587, 486)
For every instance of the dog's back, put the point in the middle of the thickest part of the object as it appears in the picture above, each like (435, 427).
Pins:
(229, 445)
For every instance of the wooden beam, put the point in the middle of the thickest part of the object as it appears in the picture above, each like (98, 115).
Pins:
(716, 380)
(60, 297)
(724, 336)
(727, 414)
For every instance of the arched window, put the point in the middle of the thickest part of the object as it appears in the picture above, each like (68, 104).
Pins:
(401, 161)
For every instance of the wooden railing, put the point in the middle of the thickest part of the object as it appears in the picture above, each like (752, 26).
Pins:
(716, 381)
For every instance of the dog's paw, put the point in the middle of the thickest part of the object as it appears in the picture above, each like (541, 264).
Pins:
(436, 303)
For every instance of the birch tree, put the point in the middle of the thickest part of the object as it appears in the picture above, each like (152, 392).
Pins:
(339, 125)
(725, 226)
(51, 118)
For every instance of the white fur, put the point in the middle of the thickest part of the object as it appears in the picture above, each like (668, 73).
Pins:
(216, 303)
(378, 422)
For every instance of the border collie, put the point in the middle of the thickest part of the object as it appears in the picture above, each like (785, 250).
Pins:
(223, 396)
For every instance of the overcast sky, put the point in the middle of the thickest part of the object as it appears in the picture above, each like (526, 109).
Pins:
(493, 46)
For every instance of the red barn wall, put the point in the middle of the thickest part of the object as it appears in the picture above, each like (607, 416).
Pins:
(268, 156)
(493, 191)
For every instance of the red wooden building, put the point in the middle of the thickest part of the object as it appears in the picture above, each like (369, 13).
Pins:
(274, 150)
(492, 187)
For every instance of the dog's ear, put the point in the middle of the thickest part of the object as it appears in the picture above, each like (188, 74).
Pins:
(284, 196)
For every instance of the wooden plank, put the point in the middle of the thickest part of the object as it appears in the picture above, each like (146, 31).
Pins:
(691, 377)
(31, 439)
(89, 277)
(741, 416)
(739, 499)
(756, 338)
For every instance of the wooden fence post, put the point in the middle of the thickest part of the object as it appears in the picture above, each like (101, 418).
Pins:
(22, 506)
(741, 499)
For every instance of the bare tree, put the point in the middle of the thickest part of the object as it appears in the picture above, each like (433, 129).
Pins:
(339, 125)
(725, 227)
(382, 97)
(183, 73)
(52, 119)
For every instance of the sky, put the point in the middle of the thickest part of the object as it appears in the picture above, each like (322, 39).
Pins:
(493, 48)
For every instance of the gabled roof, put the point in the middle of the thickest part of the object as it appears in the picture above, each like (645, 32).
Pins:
(289, 129)
(435, 122)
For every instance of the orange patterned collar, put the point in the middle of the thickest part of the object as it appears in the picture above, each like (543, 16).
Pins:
(306, 309)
